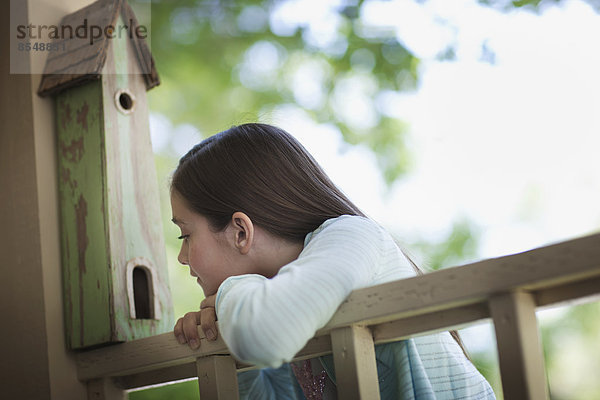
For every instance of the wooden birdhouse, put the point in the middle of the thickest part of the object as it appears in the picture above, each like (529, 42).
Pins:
(115, 277)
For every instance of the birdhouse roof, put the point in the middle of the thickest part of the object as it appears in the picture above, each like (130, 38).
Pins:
(81, 60)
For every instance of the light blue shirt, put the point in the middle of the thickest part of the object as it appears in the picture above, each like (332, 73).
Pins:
(267, 321)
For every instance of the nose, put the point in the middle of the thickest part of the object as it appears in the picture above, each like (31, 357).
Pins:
(182, 257)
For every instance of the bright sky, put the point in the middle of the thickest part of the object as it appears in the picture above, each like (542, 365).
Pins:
(511, 145)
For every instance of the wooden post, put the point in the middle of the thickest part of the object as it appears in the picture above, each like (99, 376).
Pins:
(217, 377)
(519, 350)
(104, 389)
(35, 364)
(355, 365)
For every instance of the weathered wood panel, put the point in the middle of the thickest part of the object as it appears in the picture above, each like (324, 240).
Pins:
(82, 188)
(133, 213)
(82, 59)
(104, 389)
(355, 365)
(217, 378)
(110, 207)
(469, 284)
(519, 346)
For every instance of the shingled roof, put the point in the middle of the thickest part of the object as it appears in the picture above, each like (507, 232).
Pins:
(82, 60)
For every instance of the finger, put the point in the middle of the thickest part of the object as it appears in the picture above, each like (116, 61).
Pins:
(178, 331)
(191, 321)
(208, 302)
(209, 327)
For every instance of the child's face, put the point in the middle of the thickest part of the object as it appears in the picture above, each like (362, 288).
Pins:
(209, 255)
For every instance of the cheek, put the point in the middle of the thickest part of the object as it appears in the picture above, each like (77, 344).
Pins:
(195, 261)
(201, 260)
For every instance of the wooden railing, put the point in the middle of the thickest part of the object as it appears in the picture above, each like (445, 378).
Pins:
(507, 289)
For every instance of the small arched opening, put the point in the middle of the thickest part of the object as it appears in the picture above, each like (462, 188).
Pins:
(142, 293)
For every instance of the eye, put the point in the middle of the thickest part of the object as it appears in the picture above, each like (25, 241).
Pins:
(184, 237)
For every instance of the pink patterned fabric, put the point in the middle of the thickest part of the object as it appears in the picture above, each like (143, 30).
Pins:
(313, 385)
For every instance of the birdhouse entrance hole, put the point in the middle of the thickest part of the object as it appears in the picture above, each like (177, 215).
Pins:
(141, 293)
(141, 289)
(125, 101)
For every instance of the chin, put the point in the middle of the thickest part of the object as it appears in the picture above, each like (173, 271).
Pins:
(204, 289)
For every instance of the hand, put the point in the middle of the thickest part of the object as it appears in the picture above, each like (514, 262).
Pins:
(186, 330)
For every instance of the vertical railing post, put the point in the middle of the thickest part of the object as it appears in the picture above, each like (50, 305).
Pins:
(104, 389)
(217, 377)
(519, 350)
(355, 365)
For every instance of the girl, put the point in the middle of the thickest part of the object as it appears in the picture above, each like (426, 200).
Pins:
(277, 247)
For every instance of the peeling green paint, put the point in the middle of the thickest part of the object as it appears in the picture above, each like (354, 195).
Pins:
(86, 280)
(109, 206)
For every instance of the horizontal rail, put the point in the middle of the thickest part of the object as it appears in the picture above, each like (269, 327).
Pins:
(395, 310)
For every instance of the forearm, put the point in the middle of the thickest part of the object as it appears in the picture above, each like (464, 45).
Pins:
(262, 324)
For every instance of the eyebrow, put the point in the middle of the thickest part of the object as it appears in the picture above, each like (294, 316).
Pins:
(177, 222)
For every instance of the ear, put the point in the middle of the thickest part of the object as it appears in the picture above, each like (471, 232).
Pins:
(243, 232)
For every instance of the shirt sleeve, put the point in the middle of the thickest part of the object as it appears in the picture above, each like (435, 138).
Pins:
(267, 321)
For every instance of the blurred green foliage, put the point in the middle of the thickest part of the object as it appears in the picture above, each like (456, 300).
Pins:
(180, 391)
(217, 70)
(571, 344)
(537, 6)
(459, 246)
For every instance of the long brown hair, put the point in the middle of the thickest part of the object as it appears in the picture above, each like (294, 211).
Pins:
(266, 173)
